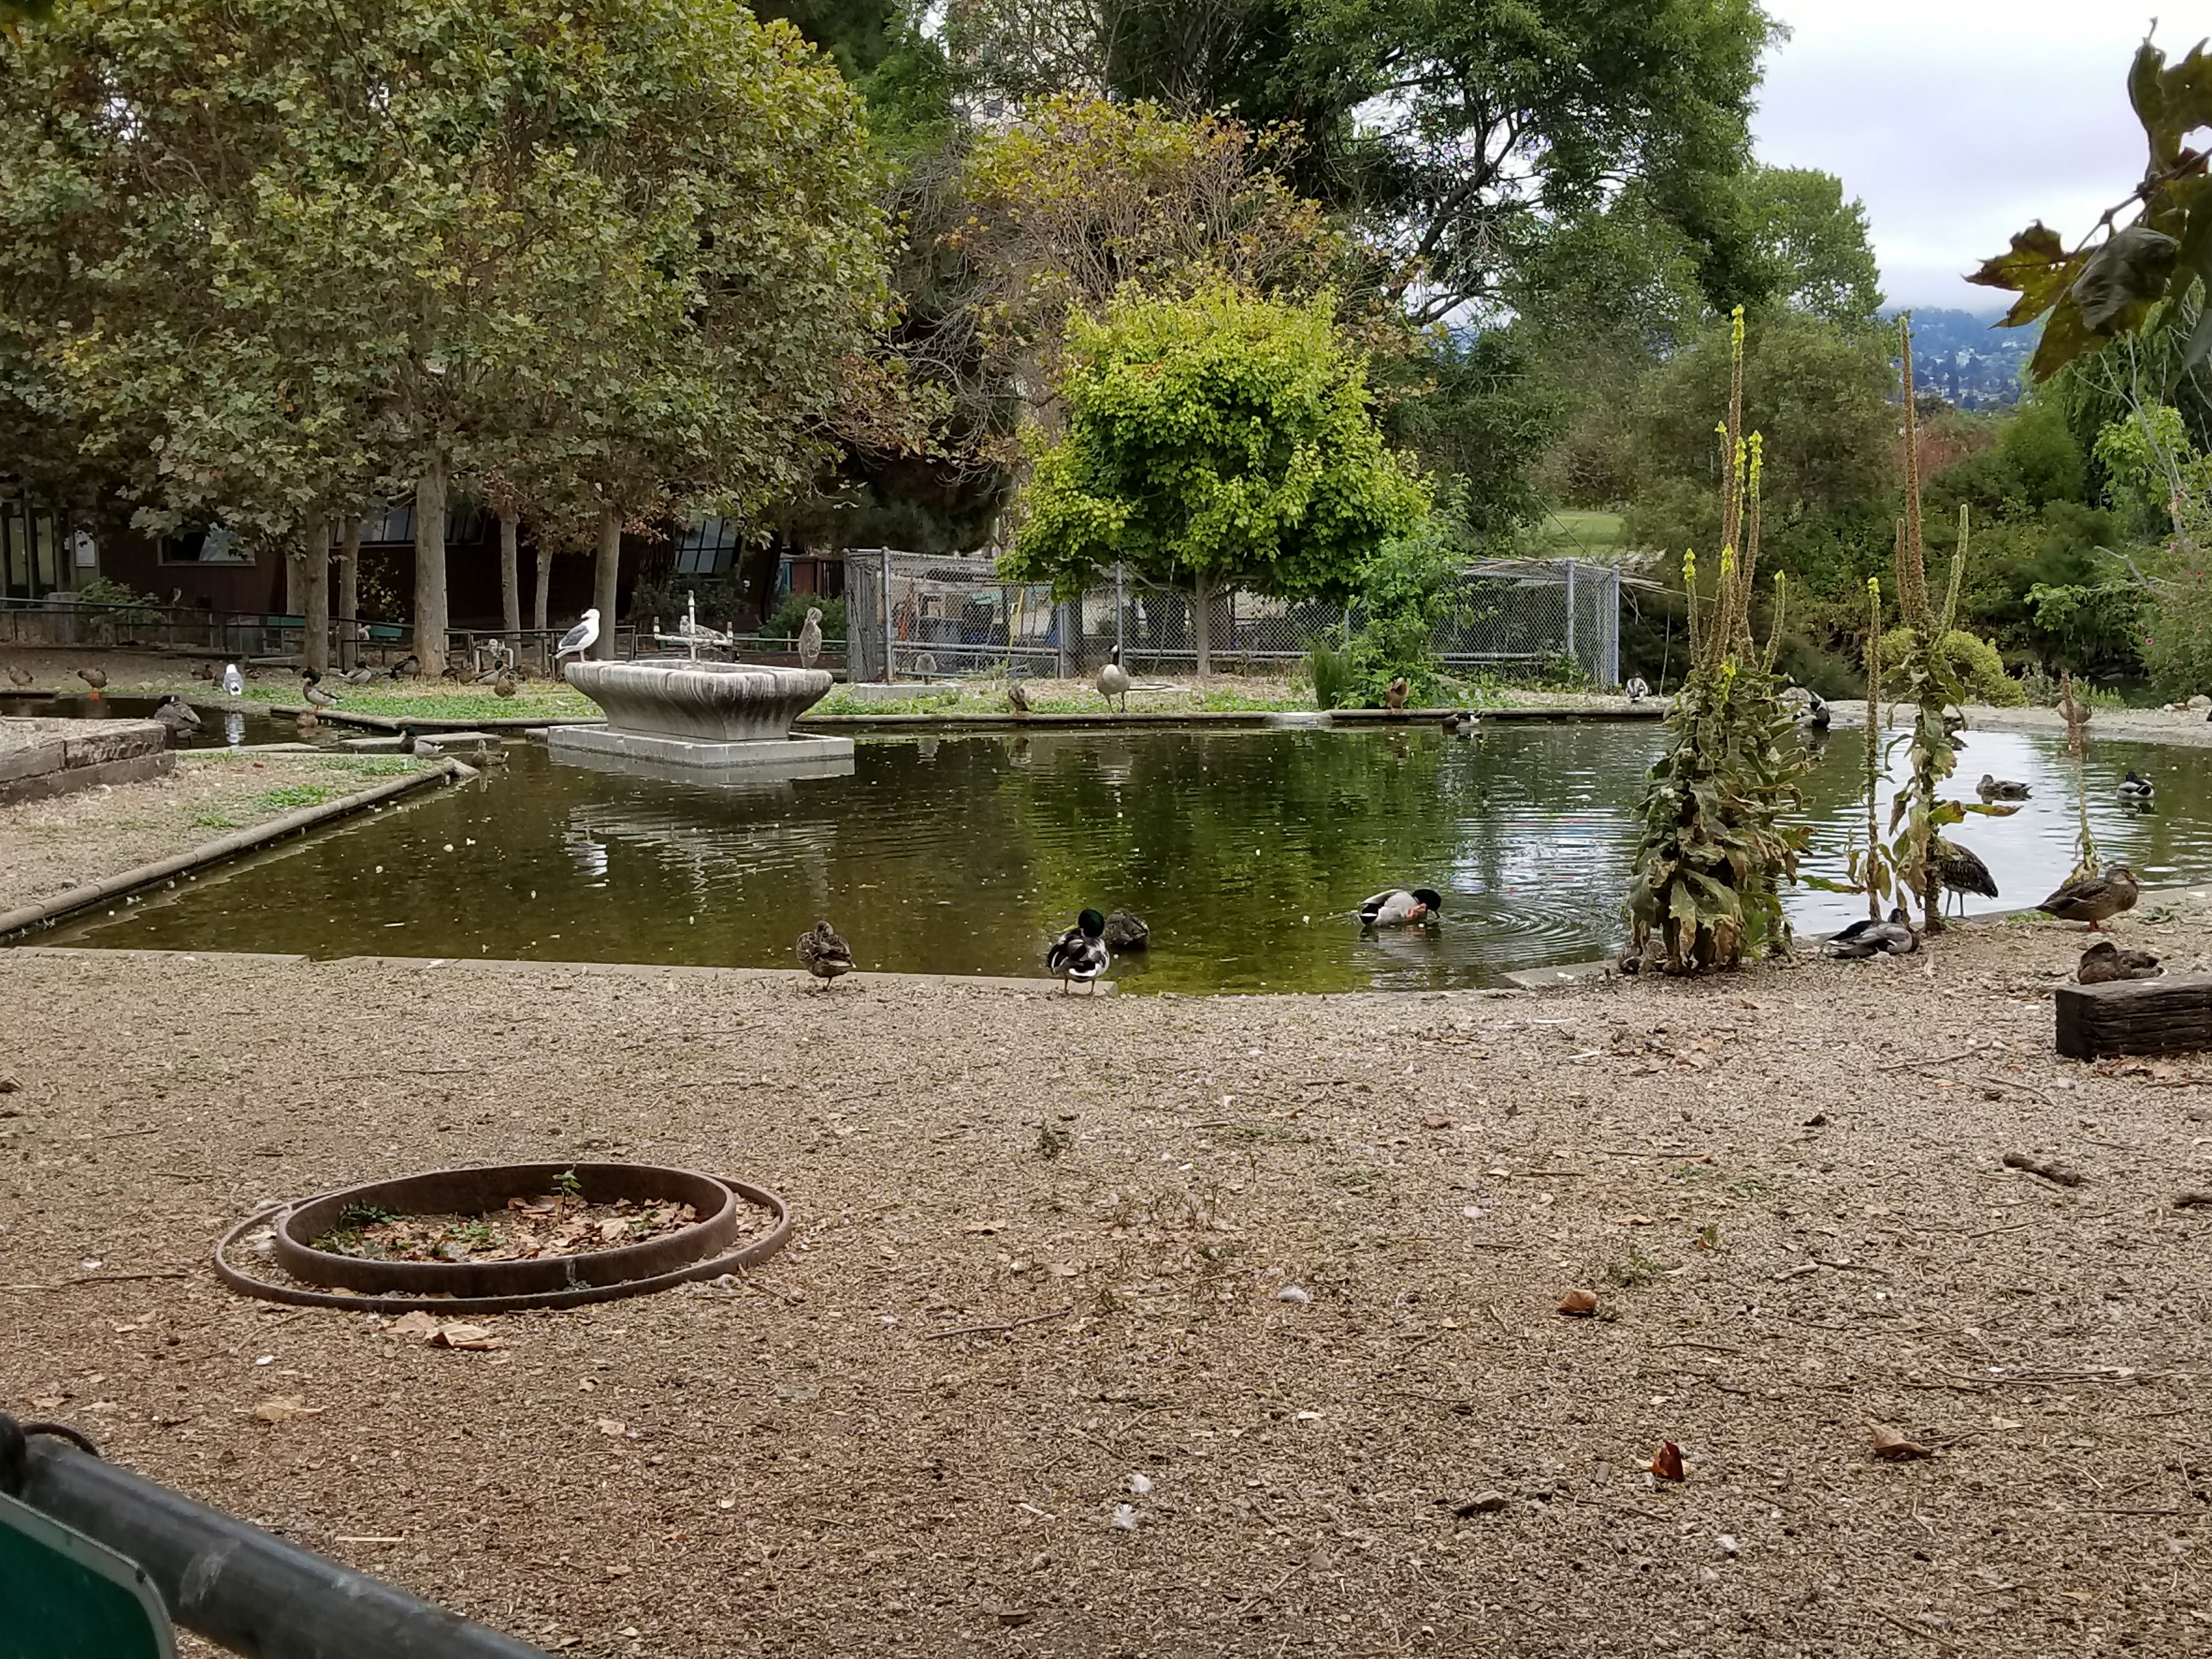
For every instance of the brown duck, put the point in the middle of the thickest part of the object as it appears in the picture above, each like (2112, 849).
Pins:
(2105, 961)
(2093, 899)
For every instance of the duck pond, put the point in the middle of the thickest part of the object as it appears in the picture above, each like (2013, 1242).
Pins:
(1247, 851)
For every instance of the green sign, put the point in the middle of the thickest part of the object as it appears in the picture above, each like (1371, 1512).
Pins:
(62, 1596)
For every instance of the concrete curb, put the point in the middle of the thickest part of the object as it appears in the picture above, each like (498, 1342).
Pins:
(395, 723)
(1234, 717)
(33, 916)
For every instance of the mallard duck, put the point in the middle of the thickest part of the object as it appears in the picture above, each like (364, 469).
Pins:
(2105, 961)
(361, 676)
(823, 954)
(202, 671)
(1961, 871)
(306, 722)
(1816, 712)
(19, 676)
(2093, 899)
(1869, 938)
(1991, 788)
(1458, 725)
(1402, 907)
(94, 678)
(179, 717)
(407, 668)
(2137, 791)
(504, 686)
(1080, 953)
(1114, 681)
(1125, 932)
(412, 741)
(2074, 709)
(809, 639)
(1394, 695)
(1017, 699)
(311, 689)
(1635, 690)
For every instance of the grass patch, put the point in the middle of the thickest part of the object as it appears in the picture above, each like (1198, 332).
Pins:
(290, 796)
(372, 766)
(441, 702)
(214, 820)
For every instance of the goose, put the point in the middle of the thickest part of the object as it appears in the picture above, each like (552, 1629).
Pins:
(1991, 788)
(1402, 907)
(823, 954)
(1017, 699)
(311, 689)
(2105, 961)
(2094, 899)
(1080, 953)
(1635, 690)
(1126, 931)
(24, 677)
(1961, 871)
(1113, 681)
(504, 686)
(1394, 695)
(578, 639)
(179, 717)
(1869, 937)
(94, 678)
(809, 639)
(2137, 791)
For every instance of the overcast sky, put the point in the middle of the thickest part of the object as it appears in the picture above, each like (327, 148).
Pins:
(1957, 121)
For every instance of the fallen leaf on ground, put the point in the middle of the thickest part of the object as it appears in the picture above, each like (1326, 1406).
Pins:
(1578, 1304)
(474, 1337)
(1888, 1442)
(417, 1323)
(611, 1429)
(1436, 1123)
(284, 1408)
(985, 1227)
(1667, 1463)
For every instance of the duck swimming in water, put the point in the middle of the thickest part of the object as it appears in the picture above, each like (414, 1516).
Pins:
(1994, 788)
(2137, 791)
(1402, 907)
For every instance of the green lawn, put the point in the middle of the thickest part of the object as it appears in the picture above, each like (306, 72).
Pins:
(1573, 530)
(440, 700)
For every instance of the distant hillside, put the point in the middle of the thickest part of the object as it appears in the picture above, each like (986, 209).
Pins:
(1974, 365)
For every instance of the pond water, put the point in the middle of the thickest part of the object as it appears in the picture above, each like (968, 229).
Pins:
(220, 728)
(1245, 849)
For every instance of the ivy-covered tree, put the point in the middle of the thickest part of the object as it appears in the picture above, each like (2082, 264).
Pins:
(1214, 442)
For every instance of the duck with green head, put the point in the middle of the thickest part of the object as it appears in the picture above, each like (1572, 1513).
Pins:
(1080, 953)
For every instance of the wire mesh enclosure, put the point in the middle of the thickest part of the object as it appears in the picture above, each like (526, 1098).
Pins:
(918, 616)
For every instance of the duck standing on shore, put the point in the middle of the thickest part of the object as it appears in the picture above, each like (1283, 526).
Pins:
(823, 954)
(311, 689)
(2094, 899)
(1080, 953)
(94, 678)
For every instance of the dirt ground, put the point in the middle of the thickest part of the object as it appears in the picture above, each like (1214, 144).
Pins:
(2185, 728)
(1786, 1188)
(47, 846)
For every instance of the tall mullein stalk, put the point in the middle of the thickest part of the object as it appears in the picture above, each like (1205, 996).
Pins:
(1873, 742)
(2076, 713)
(1928, 681)
(1714, 846)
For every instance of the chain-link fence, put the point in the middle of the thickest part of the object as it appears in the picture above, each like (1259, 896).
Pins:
(916, 615)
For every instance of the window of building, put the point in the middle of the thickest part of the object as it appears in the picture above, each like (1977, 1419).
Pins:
(216, 546)
(707, 547)
(391, 524)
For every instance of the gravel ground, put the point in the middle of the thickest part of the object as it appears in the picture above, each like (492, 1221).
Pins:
(1797, 1222)
(47, 846)
(2136, 724)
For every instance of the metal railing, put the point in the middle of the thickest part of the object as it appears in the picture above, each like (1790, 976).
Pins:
(932, 615)
(217, 1576)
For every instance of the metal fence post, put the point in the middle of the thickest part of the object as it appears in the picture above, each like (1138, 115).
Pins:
(887, 615)
(1613, 634)
(1571, 656)
(1121, 609)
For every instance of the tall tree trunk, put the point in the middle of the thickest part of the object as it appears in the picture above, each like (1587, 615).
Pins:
(1201, 623)
(605, 578)
(545, 582)
(510, 576)
(315, 596)
(756, 569)
(350, 592)
(430, 565)
(296, 581)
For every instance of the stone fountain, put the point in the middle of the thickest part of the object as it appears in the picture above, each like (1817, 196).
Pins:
(703, 716)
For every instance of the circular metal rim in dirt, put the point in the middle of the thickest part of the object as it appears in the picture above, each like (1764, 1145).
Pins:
(484, 1188)
(758, 1250)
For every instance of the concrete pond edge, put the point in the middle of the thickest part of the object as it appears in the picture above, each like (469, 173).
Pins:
(31, 917)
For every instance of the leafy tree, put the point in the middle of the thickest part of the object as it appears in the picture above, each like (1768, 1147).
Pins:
(1214, 442)
(1809, 247)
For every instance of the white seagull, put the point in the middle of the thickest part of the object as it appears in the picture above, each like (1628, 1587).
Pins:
(578, 639)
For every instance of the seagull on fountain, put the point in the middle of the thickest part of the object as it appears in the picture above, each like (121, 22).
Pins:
(578, 639)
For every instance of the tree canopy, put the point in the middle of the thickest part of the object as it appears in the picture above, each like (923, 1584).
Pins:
(1221, 440)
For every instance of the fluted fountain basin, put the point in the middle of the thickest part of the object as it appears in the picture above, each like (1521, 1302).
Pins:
(704, 714)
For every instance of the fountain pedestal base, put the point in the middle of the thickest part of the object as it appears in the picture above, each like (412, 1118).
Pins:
(795, 757)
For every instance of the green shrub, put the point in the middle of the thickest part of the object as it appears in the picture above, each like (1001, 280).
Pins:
(791, 616)
(1330, 671)
(1974, 661)
(119, 603)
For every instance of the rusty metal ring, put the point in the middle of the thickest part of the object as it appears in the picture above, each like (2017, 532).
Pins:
(567, 1297)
